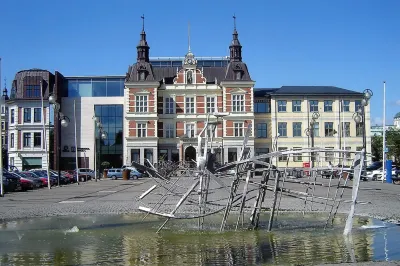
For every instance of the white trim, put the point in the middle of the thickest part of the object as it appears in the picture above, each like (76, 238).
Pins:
(215, 97)
(137, 129)
(195, 103)
(195, 128)
(165, 124)
(165, 104)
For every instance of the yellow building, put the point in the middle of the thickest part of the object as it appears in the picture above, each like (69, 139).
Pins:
(283, 116)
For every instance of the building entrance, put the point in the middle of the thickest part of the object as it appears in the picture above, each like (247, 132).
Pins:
(190, 154)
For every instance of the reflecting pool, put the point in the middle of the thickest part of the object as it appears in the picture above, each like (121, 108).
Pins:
(128, 240)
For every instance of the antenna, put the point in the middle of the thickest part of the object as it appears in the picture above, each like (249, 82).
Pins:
(189, 35)
(142, 17)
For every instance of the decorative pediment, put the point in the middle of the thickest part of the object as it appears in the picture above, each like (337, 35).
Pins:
(238, 91)
(142, 91)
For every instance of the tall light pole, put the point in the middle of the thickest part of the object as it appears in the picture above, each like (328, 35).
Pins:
(102, 135)
(1, 151)
(359, 117)
(310, 133)
(63, 121)
(384, 132)
(45, 135)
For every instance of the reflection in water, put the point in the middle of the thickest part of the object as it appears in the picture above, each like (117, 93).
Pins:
(126, 240)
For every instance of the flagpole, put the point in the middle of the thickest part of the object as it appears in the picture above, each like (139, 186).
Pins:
(45, 136)
(384, 132)
(76, 146)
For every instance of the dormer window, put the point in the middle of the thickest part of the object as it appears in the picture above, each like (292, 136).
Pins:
(189, 77)
(238, 75)
(142, 76)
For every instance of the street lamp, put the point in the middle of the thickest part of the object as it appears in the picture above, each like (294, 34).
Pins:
(310, 133)
(102, 135)
(359, 117)
(63, 121)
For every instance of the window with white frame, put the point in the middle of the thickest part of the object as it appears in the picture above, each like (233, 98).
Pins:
(27, 139)
(141, 103)
(238, 103)
(346, 106)
(190, 130)
(12, 140)
(142, 130)
(27, 115)
(297, 157)
(329, 132)
(313, 106)
(238, 129)
(328, 105)
(189, 105)
(284, 157)
(262, 130)
(37, 115)
(316, 129)
(170, 131)
(296, 129)
(37, 139)
(296, 106)
(282, 105)
(210, 131)
(12, 116)
(282, 129)
(211, 103)
(169, 105)
(345, 129)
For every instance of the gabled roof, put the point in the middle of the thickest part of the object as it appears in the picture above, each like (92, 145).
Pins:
(305, 90)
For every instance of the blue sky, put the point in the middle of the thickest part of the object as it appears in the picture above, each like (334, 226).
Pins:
(349, 44)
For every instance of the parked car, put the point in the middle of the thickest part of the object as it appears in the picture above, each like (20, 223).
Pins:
(14, 183)
(115, 173)
(86, 172)
(133, 169)
(374, 166)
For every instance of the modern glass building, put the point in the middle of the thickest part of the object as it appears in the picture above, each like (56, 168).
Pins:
(95, 86)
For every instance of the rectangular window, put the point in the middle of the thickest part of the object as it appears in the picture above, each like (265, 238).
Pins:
(37, 139)
(296, 129)
(261, 107)
(169, 131)
(3, 124)
(37, 115)
(346, 106)
(282, 129)
(313, 106)
(210, 105)
(210, 131)
(142, 130)
(316, 129)
(328, 129)
(135, 155)
(329, 155)
(27, 115)
(239, 129)
(27, 139)
(232, 155)
(141, 104)
(345, 129)
(32, 91)
(296, 106)
(169, 105)
(297, 157)
(328, 106)
(282, 158)
(238, 103)
(282, 106)
(262, 130)
(3, 110)
(12, 116)
(189, 105)
(11, 160)
(357, 104)
(359, 130)
(12, 140)
(189, 130)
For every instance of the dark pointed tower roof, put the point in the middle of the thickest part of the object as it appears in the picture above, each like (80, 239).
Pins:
(142, 70)
(236, 69)
(235, 47)
(143, 47)
(5, 92)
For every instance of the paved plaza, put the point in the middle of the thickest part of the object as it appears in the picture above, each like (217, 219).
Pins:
(121, 197)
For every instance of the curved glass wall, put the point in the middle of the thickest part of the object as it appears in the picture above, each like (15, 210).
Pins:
(96, 87)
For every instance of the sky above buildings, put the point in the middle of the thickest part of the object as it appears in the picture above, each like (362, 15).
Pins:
(349, 44)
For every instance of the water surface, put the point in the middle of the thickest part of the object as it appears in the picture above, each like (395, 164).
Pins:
(127, 240)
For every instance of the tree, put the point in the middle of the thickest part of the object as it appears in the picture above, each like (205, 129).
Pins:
(376, 148)
(393, 143)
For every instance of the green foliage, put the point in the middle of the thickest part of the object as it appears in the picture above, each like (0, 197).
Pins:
(376, 148)
(392, 143)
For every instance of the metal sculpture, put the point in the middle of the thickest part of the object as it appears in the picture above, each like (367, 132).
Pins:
(211, 188)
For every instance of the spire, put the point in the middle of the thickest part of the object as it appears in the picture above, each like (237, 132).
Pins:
(143, 48)
(235, 47)
(189, 37)
(5, 92)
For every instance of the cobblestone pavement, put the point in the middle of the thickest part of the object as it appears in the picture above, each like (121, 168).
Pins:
(119, 197)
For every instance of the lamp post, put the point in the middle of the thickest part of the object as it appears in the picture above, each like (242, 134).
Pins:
(359, 117)
(102, 135)
(63, 121)
(310, 133)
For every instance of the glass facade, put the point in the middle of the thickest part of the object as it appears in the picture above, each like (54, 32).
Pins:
(177, 62)
(110, 149)
(96, 87)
